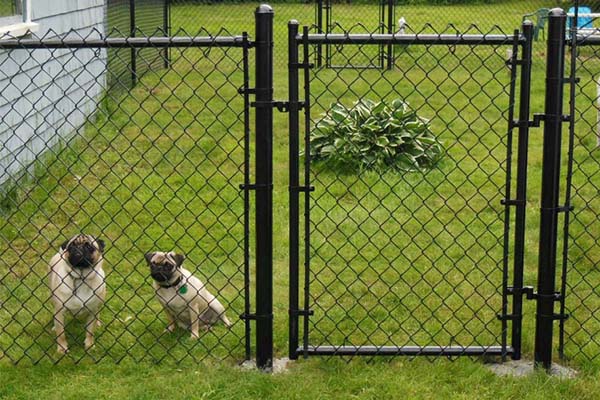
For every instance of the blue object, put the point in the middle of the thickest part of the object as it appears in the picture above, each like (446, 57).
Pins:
(582, 22)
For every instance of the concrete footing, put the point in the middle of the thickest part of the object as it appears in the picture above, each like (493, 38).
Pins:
(525, 367)
(280, 365)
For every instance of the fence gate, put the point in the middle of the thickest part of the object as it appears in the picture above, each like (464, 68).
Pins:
(413, 260)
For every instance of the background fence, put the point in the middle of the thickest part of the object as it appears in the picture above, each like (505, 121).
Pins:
(506, 14)
(131, 18)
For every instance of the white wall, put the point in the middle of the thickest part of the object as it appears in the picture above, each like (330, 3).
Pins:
(46, 95)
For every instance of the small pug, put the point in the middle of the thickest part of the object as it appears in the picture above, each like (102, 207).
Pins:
(77, 285)
(184, 297)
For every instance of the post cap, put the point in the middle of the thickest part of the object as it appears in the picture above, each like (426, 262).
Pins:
(557, 12)
(264, 9)
(527, 22)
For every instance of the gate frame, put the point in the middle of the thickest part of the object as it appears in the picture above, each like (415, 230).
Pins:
(525, 41)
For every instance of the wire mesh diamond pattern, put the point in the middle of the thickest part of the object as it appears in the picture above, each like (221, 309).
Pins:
(412, 258)
(150, 167)
(582, 337)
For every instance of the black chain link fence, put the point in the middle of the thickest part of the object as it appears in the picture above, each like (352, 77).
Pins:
(154, 168)
(408, 254)
(413, 254)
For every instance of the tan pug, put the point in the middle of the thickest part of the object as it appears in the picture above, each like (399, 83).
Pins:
(77, 285)
(185, 299)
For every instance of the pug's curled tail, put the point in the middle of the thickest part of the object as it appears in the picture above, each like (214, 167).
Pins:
(226, 320)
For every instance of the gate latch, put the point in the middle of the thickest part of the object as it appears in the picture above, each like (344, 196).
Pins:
(530, 294)
(538, 118)
(302, 65)
(302, 313)
(525, 290)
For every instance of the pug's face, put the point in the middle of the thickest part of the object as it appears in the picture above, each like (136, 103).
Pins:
(83, 251)
(163, 266)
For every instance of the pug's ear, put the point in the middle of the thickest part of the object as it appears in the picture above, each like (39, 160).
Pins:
(100, 244)
(178, 259)
(148, 257)
(64, 244)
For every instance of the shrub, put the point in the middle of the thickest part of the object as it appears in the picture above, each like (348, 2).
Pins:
(375, 136)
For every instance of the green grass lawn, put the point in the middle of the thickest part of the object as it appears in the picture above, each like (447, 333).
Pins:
(6, 8)
(313, 379)
(393, 255)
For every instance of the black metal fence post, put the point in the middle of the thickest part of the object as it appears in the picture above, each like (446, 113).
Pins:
(546, 295)
(319, 30)
(390, 30)
(521, 196)
(132, 34)
(381, 28)
(294, 184)
(264, 186)
(328, 18)
(167, 30)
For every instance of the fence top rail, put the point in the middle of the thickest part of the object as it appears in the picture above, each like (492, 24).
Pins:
(126, 42)
(586, 40)
(419, 38)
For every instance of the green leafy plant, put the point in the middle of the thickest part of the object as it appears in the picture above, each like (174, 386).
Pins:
(375, 136)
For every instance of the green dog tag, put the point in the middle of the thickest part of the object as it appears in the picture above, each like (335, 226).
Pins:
(183, 289)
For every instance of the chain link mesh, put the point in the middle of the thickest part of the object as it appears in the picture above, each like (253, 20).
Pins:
(156, 167)
(582, 329)
(413, 258)
(155, 163)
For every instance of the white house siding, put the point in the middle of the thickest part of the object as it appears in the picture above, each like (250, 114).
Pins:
(46, 95)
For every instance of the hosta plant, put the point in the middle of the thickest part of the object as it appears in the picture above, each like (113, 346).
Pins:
(375, 136)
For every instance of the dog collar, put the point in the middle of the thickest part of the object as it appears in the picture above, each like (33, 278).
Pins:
(176, 283)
